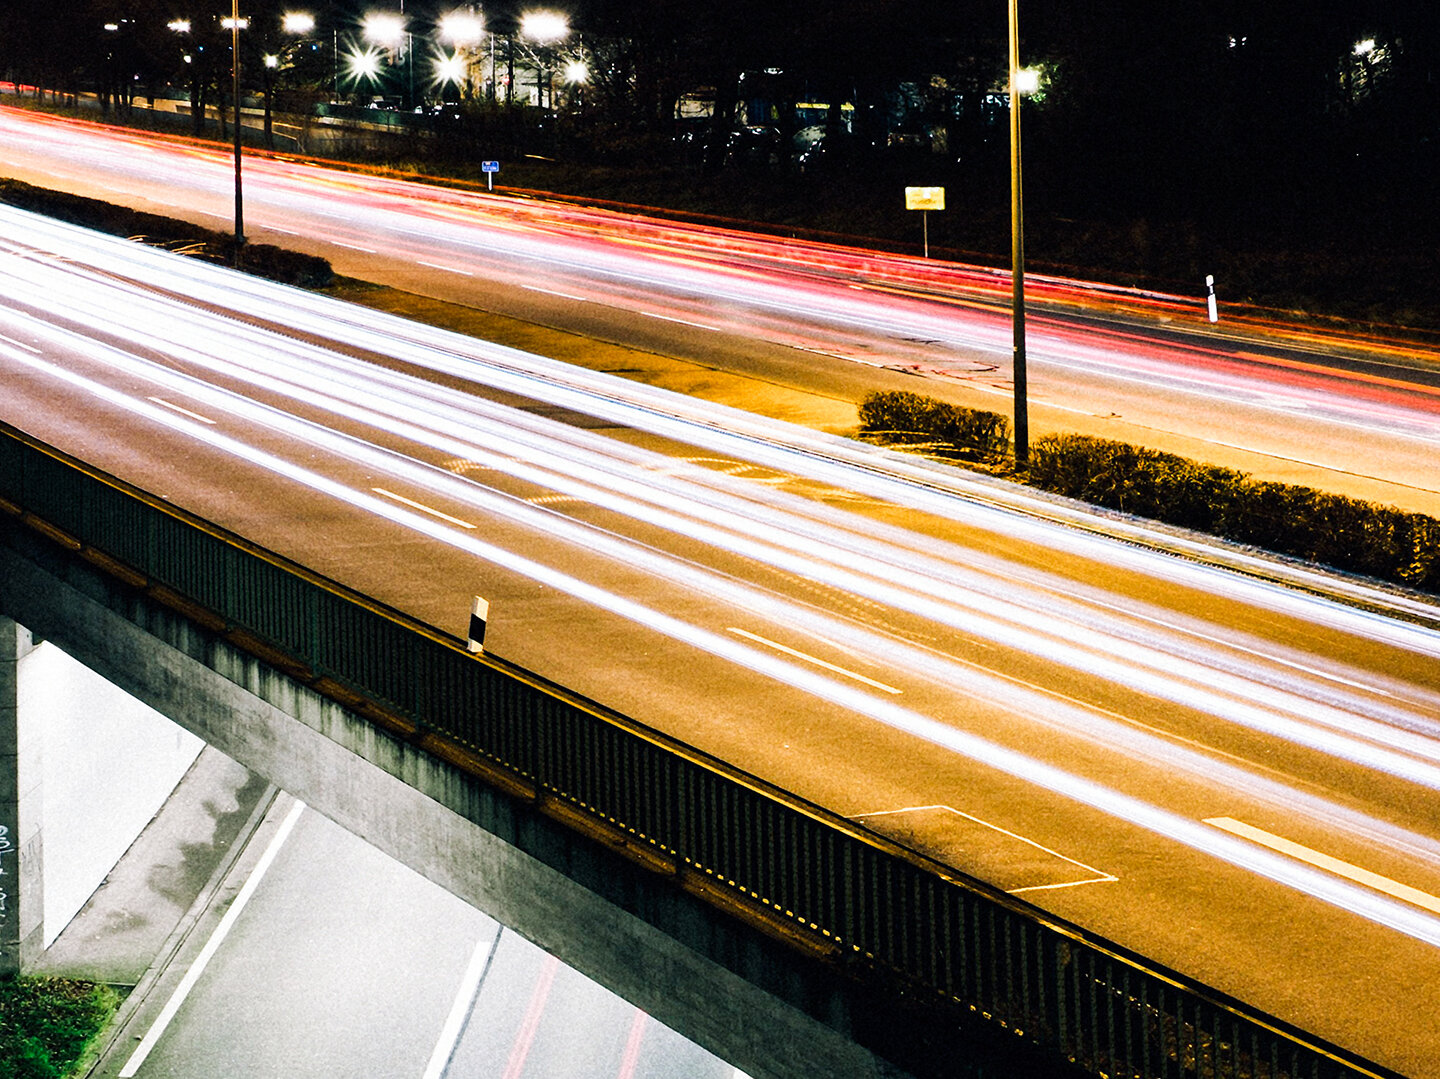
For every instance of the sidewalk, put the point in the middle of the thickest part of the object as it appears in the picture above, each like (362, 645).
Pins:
(129, 921)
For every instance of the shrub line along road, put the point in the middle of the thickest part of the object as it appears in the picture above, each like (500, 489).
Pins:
(1112, 733)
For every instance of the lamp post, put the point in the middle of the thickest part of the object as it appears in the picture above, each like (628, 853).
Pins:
(544, 28)
(1017, 244)
(391, 32)
(236, 23)
(464, 30)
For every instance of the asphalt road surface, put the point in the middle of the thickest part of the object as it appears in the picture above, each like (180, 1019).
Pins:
(1341, 411)
(1217, 768)
(338, 961)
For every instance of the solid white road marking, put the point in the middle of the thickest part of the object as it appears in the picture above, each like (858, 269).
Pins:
(422, 507)
(447, 269)
(810, 659)
(461, 1008)
(212, 945)
(354, 247)
(683, 322)
(552, 292)
(1328, 863)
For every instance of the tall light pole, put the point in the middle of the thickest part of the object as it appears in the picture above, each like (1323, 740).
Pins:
(235, 97)
(1017, 251)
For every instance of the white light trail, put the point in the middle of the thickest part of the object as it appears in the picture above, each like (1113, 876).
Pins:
(428, 421)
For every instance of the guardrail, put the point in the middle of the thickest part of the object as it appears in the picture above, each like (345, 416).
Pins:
(844, 893)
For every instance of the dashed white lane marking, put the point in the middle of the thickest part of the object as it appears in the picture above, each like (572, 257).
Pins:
(183, 411)
(1330, 864)
(810, 659)
(421, 507)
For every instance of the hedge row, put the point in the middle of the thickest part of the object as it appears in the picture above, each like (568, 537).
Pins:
(949, 430)
(263, 260)
(1334, 530)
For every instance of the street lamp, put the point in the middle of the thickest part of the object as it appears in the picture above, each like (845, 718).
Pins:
(390, 32)
(235, 24)
(1021, 81)
(544, 28)
(464, 30)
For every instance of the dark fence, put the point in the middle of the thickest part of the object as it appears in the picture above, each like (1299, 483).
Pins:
(885, 910)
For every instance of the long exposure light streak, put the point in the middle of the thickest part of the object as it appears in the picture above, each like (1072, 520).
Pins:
(1258, 860)
(728, 431)
(923, 587)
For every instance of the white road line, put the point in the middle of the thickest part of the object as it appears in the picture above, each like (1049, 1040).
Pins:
(355, 247)
(422, 507)
(212, 945)
(552, 292)
(810, 659)
(1101, 877)
(460, 1009)
(21, 344)
(447, 269)
(1327, 863)
(681, 321)
(182, 411)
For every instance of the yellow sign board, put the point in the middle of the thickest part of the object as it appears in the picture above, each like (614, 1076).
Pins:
(924, 198)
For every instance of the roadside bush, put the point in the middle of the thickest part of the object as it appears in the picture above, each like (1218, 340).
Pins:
(1316, 526)
(263, 260)
(910, 418)
(46, 1024)
(1134, 479)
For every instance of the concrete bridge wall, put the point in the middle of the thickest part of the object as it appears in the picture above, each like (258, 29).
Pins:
(760, 1007)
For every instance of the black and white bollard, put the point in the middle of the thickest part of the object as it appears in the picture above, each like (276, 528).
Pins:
(1210, 306)
(479, 612)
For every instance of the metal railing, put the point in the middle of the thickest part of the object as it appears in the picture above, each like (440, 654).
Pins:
(859, 897)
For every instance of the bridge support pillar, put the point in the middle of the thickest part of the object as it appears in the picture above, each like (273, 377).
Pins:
(22, 924)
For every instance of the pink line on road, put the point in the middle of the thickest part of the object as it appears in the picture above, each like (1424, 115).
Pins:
(632, 1046)
(531, 1023)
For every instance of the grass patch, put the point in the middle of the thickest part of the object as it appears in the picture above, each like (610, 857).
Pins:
(47, 1025)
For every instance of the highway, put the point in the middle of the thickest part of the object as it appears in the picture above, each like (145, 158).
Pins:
(1216, 768)
(1342, 411)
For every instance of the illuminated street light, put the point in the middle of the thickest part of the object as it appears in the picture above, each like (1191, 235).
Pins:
(1019, 79)
(576, 72)
(235, 22)
(365, 65)
(450, 69)
(462, 28)
(180, 26)
(298, 22)
(544, 27)
(391, 32)
(1366, 47)
(384, 29)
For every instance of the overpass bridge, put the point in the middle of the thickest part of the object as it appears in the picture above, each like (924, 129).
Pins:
(782, 937)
